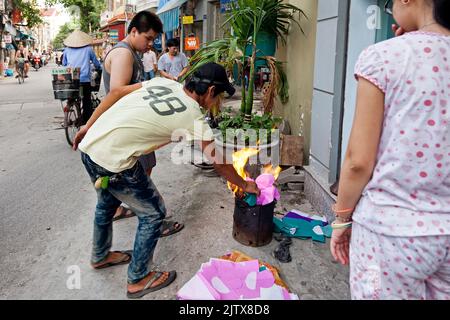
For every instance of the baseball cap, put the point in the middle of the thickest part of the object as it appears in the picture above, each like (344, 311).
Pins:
(214, 74)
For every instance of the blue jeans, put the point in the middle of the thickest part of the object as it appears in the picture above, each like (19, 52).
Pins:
(137, 190)
(149, 75)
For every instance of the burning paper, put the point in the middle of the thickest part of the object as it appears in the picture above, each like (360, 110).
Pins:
(265, 181)
(269, 192)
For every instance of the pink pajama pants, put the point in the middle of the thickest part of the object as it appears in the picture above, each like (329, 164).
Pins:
(384, 267)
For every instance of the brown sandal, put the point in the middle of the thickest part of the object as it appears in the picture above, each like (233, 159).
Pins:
(126, 258)
(171, 227)
(125, 213)
(148, 288)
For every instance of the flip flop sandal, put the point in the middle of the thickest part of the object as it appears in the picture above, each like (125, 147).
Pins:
(126, 213)
(171, 226)
(148, 288)
(124, 260)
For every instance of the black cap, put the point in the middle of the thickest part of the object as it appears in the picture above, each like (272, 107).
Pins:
(214, 74)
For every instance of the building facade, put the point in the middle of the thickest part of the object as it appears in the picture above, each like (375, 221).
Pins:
(320, 66)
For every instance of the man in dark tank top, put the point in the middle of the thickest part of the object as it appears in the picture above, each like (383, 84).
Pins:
(123, 67)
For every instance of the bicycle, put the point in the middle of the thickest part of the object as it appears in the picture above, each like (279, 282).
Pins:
(73, 115)
(66, 87)
(21, 70)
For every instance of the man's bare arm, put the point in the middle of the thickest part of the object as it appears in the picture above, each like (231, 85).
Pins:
(185, 70)
(166, 75)
(120, 63)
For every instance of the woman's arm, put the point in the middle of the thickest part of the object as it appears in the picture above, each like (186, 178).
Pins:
(359, 162)
(362, 149)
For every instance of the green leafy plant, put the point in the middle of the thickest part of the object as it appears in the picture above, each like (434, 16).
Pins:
(30, 12)
(257, 122)
(248, 20)
(64, 31)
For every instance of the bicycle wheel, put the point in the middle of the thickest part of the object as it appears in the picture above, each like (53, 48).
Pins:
(72, 121)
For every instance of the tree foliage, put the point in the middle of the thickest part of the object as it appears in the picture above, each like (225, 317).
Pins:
(88, 12)
(30, 12)
(65, 30)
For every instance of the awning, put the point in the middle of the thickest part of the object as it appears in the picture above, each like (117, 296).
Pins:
(165, 6)
(23, 36)
(169, 13)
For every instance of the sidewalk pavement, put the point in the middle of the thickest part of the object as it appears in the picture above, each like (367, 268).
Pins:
(65, 201)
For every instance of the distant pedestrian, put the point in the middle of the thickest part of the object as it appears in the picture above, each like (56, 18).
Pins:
(150, 63)
(122, 68)
(173, 65)
(79, 54)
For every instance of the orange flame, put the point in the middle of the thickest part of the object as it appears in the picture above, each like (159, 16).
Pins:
(269, 169)
(240, 159)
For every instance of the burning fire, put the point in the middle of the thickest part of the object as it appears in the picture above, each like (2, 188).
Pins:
(269, 169)
(240, 159)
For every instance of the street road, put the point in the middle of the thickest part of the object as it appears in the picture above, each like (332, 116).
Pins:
(47, 204)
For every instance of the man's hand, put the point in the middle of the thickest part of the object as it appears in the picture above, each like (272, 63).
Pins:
(340, 245)
(79, 137)
(398, 31)
(251, 187)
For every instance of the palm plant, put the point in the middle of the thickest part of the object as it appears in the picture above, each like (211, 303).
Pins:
(248, 20)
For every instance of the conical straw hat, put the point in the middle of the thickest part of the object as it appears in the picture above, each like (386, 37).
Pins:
(78, 39)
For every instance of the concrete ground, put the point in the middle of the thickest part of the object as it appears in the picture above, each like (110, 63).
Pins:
(47, 204)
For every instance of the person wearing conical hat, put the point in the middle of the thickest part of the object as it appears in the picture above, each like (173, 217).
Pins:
(79, 54)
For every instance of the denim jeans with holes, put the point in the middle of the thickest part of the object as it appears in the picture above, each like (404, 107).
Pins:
(134, 188)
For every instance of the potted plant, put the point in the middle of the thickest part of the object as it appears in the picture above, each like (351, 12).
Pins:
(252, 22)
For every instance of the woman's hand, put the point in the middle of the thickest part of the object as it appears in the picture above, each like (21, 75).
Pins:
(398, 31)
(340, 245)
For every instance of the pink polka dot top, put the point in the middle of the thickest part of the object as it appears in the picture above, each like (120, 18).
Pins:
(409, 193)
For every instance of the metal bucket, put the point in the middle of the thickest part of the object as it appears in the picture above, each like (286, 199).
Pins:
(253, 226)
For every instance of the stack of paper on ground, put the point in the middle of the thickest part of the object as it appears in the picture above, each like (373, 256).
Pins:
(221, 279)
(301, 225)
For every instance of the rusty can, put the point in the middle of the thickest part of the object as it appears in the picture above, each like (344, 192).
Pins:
(253, 226)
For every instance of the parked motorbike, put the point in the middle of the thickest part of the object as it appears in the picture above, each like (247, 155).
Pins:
(37, 64)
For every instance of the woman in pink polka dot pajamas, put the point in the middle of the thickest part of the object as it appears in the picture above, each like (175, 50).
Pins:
(393, 209)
